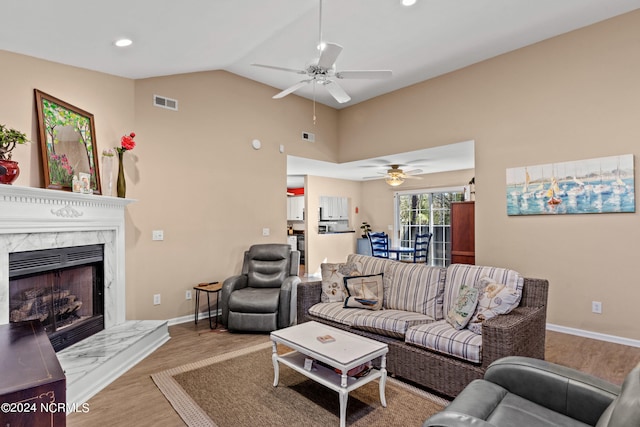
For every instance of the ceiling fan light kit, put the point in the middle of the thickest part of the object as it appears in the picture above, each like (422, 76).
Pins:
(394, 176)
(394, 180)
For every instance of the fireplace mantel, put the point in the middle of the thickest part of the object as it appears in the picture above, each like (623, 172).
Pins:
(27, 209)
(36, 218)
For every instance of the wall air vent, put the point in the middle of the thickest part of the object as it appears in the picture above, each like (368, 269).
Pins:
(164, 102)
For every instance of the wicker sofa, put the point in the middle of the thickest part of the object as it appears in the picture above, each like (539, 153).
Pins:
(521, 332)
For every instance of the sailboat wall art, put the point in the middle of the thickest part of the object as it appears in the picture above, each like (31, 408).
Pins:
(601, 185)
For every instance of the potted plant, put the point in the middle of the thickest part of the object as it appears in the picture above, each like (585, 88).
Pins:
(9, 138)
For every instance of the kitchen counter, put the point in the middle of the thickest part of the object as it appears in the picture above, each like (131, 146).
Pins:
(337, 232)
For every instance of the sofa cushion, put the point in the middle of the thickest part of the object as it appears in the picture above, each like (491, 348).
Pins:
(459, 274)
(392, 323)
(370, 265)
(333, 280)
(414, 287)
(335, 312)
(465, 305)
(444, 338)
(364, 292)
(254, 300)
(494, 299)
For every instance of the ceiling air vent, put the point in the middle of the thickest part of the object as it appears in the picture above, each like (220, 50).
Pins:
(164, 102)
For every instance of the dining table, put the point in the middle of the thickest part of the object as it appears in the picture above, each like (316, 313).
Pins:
(399, 250)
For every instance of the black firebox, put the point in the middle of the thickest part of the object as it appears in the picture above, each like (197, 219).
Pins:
(63, 288)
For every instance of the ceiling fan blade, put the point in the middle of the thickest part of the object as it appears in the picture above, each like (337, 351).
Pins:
(364, 74)
(329, 55)
(414, 172)
(337, 92)
(293, 88)
(273, 67)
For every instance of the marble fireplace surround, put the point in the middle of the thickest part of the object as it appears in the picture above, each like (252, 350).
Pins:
(34, 219)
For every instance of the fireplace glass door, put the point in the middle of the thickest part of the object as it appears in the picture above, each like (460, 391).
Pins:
(62, 288)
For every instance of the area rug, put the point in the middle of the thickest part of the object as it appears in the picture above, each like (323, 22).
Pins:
(236, 389)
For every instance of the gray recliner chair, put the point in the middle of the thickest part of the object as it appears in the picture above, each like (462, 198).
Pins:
(263, 297)
(519, 391)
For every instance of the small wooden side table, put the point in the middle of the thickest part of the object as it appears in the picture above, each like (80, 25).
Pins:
(208, 288)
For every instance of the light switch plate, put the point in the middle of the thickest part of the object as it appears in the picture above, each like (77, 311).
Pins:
(266, 231)
(157, 235)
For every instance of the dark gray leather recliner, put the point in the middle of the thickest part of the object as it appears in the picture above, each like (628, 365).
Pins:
(263, 297)
(525, 392)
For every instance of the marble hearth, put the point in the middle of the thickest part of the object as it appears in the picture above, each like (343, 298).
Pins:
(34, 219)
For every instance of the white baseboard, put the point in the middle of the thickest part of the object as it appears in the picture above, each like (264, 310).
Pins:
(593, 335)
(202, 316)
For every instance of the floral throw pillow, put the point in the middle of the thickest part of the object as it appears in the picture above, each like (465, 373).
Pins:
(464, 307)
(364, 292)
(494, 299)
(333, 280)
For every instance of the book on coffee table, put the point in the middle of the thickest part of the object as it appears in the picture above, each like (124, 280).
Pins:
(326, 338)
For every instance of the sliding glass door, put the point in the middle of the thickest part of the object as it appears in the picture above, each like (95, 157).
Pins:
(426, 211)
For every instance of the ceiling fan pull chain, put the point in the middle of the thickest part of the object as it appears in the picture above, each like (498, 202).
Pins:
(314, 98)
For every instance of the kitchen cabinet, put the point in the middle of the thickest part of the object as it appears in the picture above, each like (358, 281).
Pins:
(334, 208)
(295, 208)
(463, 243)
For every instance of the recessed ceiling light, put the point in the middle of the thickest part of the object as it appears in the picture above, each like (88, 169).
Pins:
(408, 2)
(123, 42)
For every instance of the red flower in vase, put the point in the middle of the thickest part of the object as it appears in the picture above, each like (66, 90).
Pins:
(127, 143)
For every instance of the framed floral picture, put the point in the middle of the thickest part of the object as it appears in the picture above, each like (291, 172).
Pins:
(68, 141)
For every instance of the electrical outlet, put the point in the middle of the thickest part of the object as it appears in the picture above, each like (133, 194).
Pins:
(156, 299)
(187, 295)
(596, 307)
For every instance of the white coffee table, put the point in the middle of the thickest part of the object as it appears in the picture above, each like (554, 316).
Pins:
(346, 352)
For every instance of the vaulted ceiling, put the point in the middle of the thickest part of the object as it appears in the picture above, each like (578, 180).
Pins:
(416, 42)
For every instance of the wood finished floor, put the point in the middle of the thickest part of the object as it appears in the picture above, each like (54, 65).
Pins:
(133, 399)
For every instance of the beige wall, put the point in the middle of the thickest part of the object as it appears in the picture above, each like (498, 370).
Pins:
(329, 247)
(193, 172)
(375, 203)
(572, 97)
(201, 182)
(110, 99)
(196, 177)
(378, 197)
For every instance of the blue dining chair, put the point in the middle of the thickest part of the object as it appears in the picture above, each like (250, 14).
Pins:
(379, 244)
(421, 247)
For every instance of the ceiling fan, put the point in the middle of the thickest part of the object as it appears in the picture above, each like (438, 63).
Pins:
(395, 176)
(323, 71)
